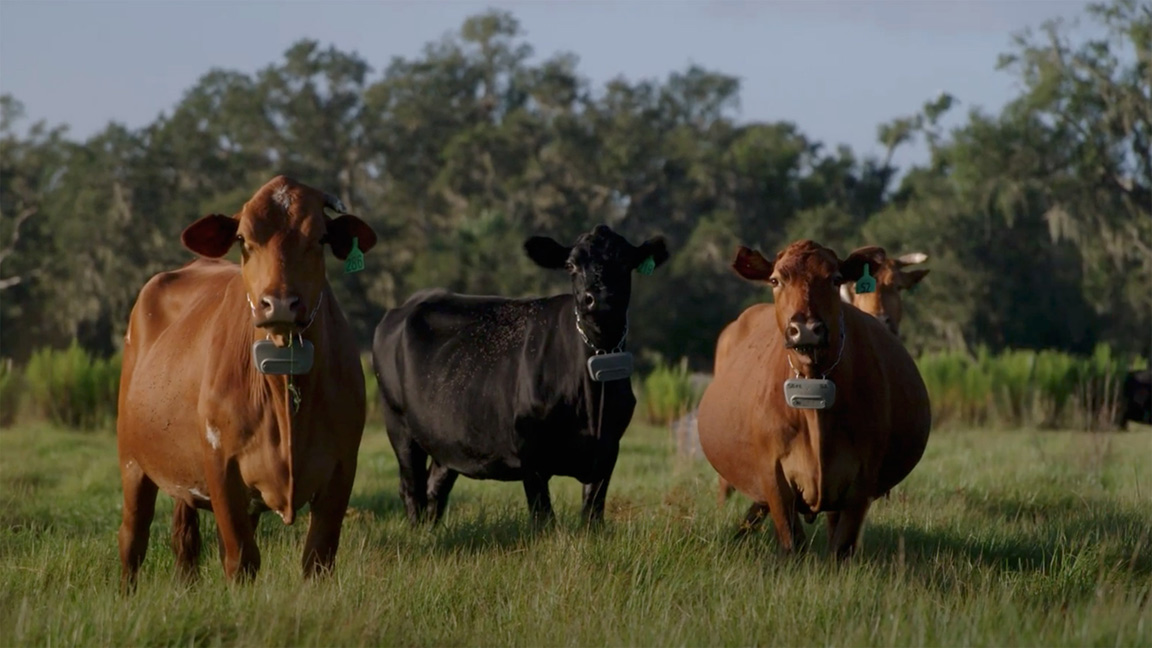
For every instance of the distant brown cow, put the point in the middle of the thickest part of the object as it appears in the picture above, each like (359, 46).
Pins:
(884, 303)
(794, 462)
(200, 422)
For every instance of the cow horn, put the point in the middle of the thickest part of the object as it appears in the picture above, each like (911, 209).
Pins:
(334, 203)
(912, 258)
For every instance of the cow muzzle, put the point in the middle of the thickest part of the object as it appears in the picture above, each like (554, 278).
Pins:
(279, 312)
(806, 335)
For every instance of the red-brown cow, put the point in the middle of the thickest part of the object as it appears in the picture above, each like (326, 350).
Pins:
(884, 303)
(199, 420)
(807, 461)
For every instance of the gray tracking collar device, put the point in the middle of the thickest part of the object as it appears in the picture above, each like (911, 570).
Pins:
(610, 366)
(290, 360)
(809, 393)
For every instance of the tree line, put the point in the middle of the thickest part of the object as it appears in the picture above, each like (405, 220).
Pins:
(1037, 218)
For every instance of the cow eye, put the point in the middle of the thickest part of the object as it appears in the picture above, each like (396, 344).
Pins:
(837, 279)
(774, 282)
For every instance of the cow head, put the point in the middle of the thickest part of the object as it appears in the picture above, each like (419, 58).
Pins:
(885, 303)
(282, 231)
(805, 280)
(600, 264)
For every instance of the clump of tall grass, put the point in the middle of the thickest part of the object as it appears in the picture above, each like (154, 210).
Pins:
(668, 393)
(371, 392)
(72, 388)
(1022, 388)
(10, 388)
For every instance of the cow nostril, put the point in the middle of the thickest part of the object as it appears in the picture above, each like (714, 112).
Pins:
(293, 303)
(792, 332)
(589, 300)
(819, 330)
(266, 303)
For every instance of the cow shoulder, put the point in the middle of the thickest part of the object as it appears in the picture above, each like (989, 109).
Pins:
(171, 296)
(756, 320)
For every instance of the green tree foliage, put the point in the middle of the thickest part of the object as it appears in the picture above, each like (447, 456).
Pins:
(1038, 219)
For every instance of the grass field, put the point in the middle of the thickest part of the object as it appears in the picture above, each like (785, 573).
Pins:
(1014, 538)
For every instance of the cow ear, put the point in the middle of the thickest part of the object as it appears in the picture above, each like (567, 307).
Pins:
(852, 268)
(655, 248)
(751, 265)
(211, 236)
(546, 252)
(344, 228)
(913, 277)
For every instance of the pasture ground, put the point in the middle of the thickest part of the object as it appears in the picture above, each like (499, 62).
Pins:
(1011, 538)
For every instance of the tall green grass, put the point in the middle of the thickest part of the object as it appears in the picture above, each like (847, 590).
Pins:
(10, 388)
(72, 388)
(1014, 389)
(668, 393)
(371, 392)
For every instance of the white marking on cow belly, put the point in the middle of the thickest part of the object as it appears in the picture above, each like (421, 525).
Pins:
(213, 436)
(197, 494)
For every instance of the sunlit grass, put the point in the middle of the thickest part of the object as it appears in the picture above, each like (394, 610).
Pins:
(1021, 538)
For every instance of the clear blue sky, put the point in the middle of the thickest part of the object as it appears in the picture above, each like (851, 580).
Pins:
(838, 69)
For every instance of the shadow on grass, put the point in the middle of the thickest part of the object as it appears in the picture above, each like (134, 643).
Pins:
(508, 533)
(1074, 543)
(382, 504)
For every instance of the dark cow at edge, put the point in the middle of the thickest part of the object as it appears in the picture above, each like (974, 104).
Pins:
(198, 421)
(1136, 398)
(498, 388)
(794, 462)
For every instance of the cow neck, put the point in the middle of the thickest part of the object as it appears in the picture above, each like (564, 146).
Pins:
(282, 391)
(811, 369)
(598, 349)
(595, 421)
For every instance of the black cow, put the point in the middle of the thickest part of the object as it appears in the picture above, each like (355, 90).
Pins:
(498, 388)
(1137, 398)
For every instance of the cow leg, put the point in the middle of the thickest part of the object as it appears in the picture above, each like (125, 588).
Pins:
(327, 519)
(254, 518)
(440, 483)
(139, 507)
(752, 519)
(725, 491)
(782, 507)
(186, 539)
(596, 492)
(847, 532)
(230, 506)
(539, 500)
(413, 463)
(832, 518)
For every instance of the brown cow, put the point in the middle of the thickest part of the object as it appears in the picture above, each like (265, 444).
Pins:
(884, 303)
(200, 422)
(806, 461)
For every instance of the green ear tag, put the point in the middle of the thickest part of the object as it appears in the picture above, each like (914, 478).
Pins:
(866, 284)
(355, 262)
(646, 266)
